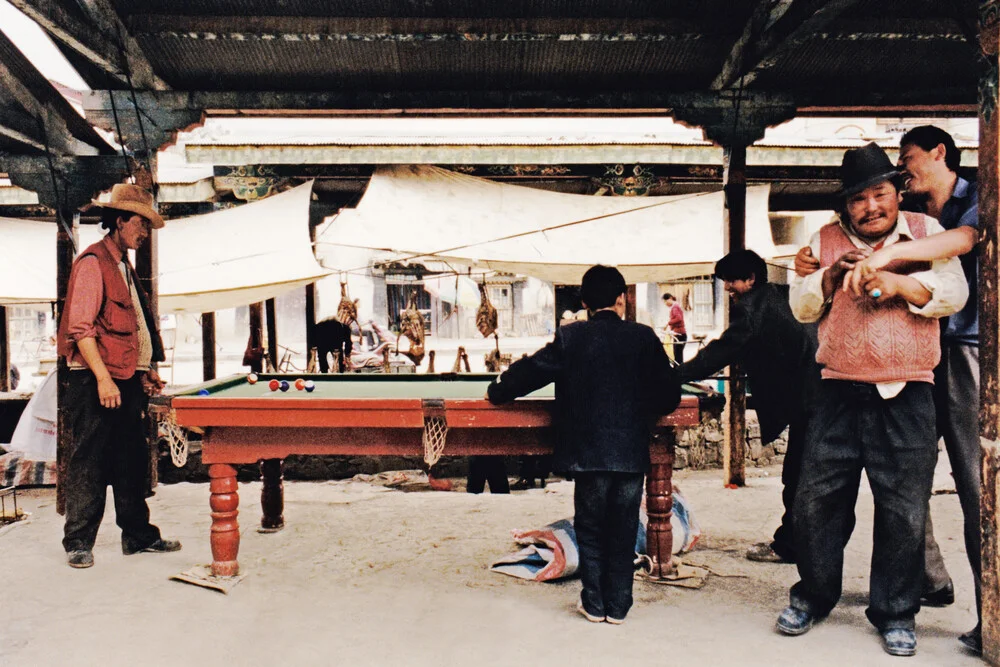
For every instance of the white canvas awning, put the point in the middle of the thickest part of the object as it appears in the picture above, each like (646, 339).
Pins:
(419, 213)
(207, 262)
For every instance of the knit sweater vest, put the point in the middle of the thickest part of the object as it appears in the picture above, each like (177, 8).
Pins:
(862, 340)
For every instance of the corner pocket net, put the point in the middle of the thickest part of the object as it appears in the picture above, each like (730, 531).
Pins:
(176, 438)
(435, 433)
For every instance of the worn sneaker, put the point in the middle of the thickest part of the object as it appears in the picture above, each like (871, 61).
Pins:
(614, 621)
(159, 546)
(587, 615)
(80, 559)
(762, 552)
(794, 621)
(899, 641)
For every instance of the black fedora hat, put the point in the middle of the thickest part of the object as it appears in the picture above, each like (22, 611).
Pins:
(864, 167)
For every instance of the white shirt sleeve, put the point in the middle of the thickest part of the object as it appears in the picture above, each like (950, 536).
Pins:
(805, 295)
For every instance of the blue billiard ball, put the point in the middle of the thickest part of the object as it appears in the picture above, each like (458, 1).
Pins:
(203, 392)
(284, 385)
(310, 385)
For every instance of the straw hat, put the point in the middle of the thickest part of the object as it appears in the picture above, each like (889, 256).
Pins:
(133, 199)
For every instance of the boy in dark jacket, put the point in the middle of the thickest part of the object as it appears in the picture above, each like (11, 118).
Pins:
(613, 380)
(778, 354)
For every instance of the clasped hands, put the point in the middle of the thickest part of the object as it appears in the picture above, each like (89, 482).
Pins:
(859, 271)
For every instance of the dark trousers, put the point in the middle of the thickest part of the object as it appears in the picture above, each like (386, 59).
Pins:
(956, 396)
(791, 471)
(108, 447)
(679, 343)
(483, 469)
(606, 523)
(894, 442)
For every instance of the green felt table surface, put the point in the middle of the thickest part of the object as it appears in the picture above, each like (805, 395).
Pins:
(348, 385)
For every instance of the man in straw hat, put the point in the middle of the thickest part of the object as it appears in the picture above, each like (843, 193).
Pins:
(874, 409)
(109, 338)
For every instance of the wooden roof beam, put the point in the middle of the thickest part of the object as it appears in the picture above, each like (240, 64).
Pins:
(57, 123)
(96, 41)
(788, 23)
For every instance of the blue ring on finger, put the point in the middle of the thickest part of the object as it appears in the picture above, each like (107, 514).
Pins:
(876, 293)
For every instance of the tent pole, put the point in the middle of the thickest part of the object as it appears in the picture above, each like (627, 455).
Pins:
(4, 351)
(272, 334)
(208, 367)
(257, 335)
(735, 187)
(989, 323)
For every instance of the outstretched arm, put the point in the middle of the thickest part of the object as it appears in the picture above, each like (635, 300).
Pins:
(949, 243)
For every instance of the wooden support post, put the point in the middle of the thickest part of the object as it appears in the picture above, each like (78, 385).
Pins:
(989, 323)
(311, 300)
(272, 334)
(735, 186)
(630, 303)
(208, 366)
(65, 253)
(4, 351)
(257, 336)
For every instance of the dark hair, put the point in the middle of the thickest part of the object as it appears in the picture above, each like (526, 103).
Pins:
(109, 218)
(928, 137)
(601, 286)
(740, 265)
(667, 295)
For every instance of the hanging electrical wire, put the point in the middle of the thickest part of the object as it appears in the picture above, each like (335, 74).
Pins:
(59, 197)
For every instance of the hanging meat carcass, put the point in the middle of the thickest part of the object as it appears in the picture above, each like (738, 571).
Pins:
(411, 325)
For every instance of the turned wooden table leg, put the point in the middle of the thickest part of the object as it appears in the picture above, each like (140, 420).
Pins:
(225, 500)
(659, 507)
(272, 496)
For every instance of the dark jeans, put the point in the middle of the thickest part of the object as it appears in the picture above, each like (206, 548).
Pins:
(956, 396)
(606, 524)
(791, 472)
(483, 469)
(108, 447)
(679, 340)
(894, 442)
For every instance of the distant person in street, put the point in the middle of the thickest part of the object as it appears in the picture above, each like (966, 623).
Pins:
(613, 380)
(333, 336)
(675, 326)
(929, 161)
(109, 337)
(875, 409)
(778, 354)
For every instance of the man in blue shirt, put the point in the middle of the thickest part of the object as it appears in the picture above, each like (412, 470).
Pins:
(929, 161)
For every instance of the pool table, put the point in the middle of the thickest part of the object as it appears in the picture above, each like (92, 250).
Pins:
(384, 415)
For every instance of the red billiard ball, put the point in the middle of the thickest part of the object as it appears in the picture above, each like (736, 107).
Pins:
(300, 384)
(273, 385)
(252, 378)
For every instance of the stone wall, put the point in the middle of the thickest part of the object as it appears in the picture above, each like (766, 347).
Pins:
(700, 447)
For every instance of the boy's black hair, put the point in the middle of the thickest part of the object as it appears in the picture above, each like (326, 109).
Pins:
(667, 295)
(740, 265)
(601, 286)
(109, 218)
(928, 137)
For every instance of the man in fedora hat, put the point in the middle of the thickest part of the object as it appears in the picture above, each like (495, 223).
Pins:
(874, 410)
(929, 162)
(109, 338)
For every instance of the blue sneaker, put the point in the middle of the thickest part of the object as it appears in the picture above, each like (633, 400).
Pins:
(794, 621)
(899, 641)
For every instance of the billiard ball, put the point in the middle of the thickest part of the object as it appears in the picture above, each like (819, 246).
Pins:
(309, 385)
(273, 385)
(203, 392)
(300, 384)
(284, 385)
(252, 378)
